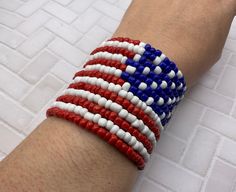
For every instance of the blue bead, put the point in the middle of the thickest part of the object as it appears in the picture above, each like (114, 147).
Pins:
(167, 69)
(148, 90)
(133, 90)
(148, 81)
(142, 60)
(163, 122)
(152, 57)
(129, 62)
(136, 64)
(139, 93)
(167, 61)
(144, 97)
(143, 77)
(162, 65)
(148, 47)
(158, 53)
(136, 74)
(140, 69)
(151, 74)
(172, 65)
(137, 83)
(131, 80)
(125, 75)
(156, 98)
(175, 70)
(147, 54)
(152, 50)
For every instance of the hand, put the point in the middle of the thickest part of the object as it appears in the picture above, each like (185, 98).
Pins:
(192, 33)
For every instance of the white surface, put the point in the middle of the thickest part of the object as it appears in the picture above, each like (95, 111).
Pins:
(43, 42)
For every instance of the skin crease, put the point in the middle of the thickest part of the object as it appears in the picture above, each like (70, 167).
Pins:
(59, 156)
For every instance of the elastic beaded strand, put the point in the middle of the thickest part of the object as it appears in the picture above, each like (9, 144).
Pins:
(95, 128)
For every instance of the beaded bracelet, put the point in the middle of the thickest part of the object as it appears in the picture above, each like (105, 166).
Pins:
(125, 94)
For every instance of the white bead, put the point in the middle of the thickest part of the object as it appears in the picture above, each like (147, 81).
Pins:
(160, 101)
(129, 69)
(120, 133)
(117, 88)
(126, 86)
(169, 115)
(125, 45)
(114, 129)
(177, 99)
(163, 84)
(124, 59)
(149, 101)
(162, 57)
(130, 47)
(157, 60)
(129, 95)
(143, 151)
(89, 116)
(118, 73)
(141, 50)
(140, 104)
(137, 57)
(122, 93)
(131, 118)
(180, 86)
(146, 70)
(157, 70)
(112, 70)
(115, 107)
(111, 86)
(173, 86)
(96, 118)
(136, 146)
(123, 113)
(163, 115)
(136, 123)
(127, 137)
(173, 100)
(108, 104)
(102, 122)
(144, 105)
(119, 57)
(169, 101)
(90, 97)
(135, 100)
(145, 130)
(142, 86)
(110, 124)
(120, 44)
(132, 141)
(141, 125)
(179, 74)
(154, 85)
(171, 74)
(148, 110)
(104, 85)
(96, 97)
(99, 81)
(136, 48)
(102, 101)
(142, 44)
(83, 111)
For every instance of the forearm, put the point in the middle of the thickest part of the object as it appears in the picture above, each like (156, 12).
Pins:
(60, 156)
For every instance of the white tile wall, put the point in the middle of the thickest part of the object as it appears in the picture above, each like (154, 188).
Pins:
(42, 44)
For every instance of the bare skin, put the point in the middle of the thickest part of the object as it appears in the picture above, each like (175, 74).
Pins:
(59, 156)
